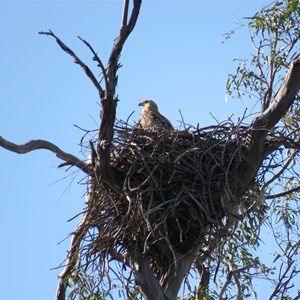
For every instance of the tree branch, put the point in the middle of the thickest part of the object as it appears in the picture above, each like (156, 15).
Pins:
(285, 193)
(42, 144)
(283, 100)
(204, 274)
(72, 258)
(86, 69)
(146, 280)
(289, 160)
(125, 13)
(266, 121)
(286, 275)
(97, 59)
(125, 31)
(108, 101)
(173, 279)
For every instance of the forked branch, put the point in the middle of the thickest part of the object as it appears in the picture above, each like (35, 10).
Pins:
(126, 29)
(109, 101)
(283, 100)
(268, 119)
(107, 95)
(97, 59)
(77, 60)
(108, 114)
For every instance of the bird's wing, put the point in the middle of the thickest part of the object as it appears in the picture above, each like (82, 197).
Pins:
(161, 120)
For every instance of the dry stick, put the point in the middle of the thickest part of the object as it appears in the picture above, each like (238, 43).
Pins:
(76, 60)
(97, 59)
(42, 144)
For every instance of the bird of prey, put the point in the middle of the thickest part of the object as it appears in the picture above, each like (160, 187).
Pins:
(151, 119)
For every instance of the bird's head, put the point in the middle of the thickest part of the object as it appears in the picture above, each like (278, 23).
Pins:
(149, 105)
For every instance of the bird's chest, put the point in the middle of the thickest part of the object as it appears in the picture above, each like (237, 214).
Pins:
(148, 120)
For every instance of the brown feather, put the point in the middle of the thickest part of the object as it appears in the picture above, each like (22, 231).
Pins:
(152, 119)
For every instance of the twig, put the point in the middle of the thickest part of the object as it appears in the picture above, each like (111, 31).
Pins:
(289, 160)
(86, 69)
(261, 197)
(283, 194)
(42, 144)
(97, 59)
(287, 274)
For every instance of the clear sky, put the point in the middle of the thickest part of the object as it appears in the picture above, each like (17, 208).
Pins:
(174, 56)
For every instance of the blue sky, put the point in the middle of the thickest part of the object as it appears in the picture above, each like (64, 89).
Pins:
(174, 56)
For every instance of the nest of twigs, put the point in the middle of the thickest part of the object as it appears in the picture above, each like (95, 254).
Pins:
(173, 187)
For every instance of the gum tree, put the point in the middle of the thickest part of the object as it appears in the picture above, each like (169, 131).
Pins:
(164, 207)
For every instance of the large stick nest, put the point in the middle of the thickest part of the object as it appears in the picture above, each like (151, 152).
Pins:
(174, 187)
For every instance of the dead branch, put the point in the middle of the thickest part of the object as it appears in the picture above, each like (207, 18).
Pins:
(126, 29)
(42, 144)
(77, 60)
(108, 101)
(97, 59)
(101, 157)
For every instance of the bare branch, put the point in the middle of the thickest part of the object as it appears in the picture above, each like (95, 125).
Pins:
(86, 69)
(109, 103)
(42, 144)
(72, 258)
(97, 59)
(125, 13)
(125, 31)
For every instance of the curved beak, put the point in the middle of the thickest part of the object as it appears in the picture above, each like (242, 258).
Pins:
(141, 104)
